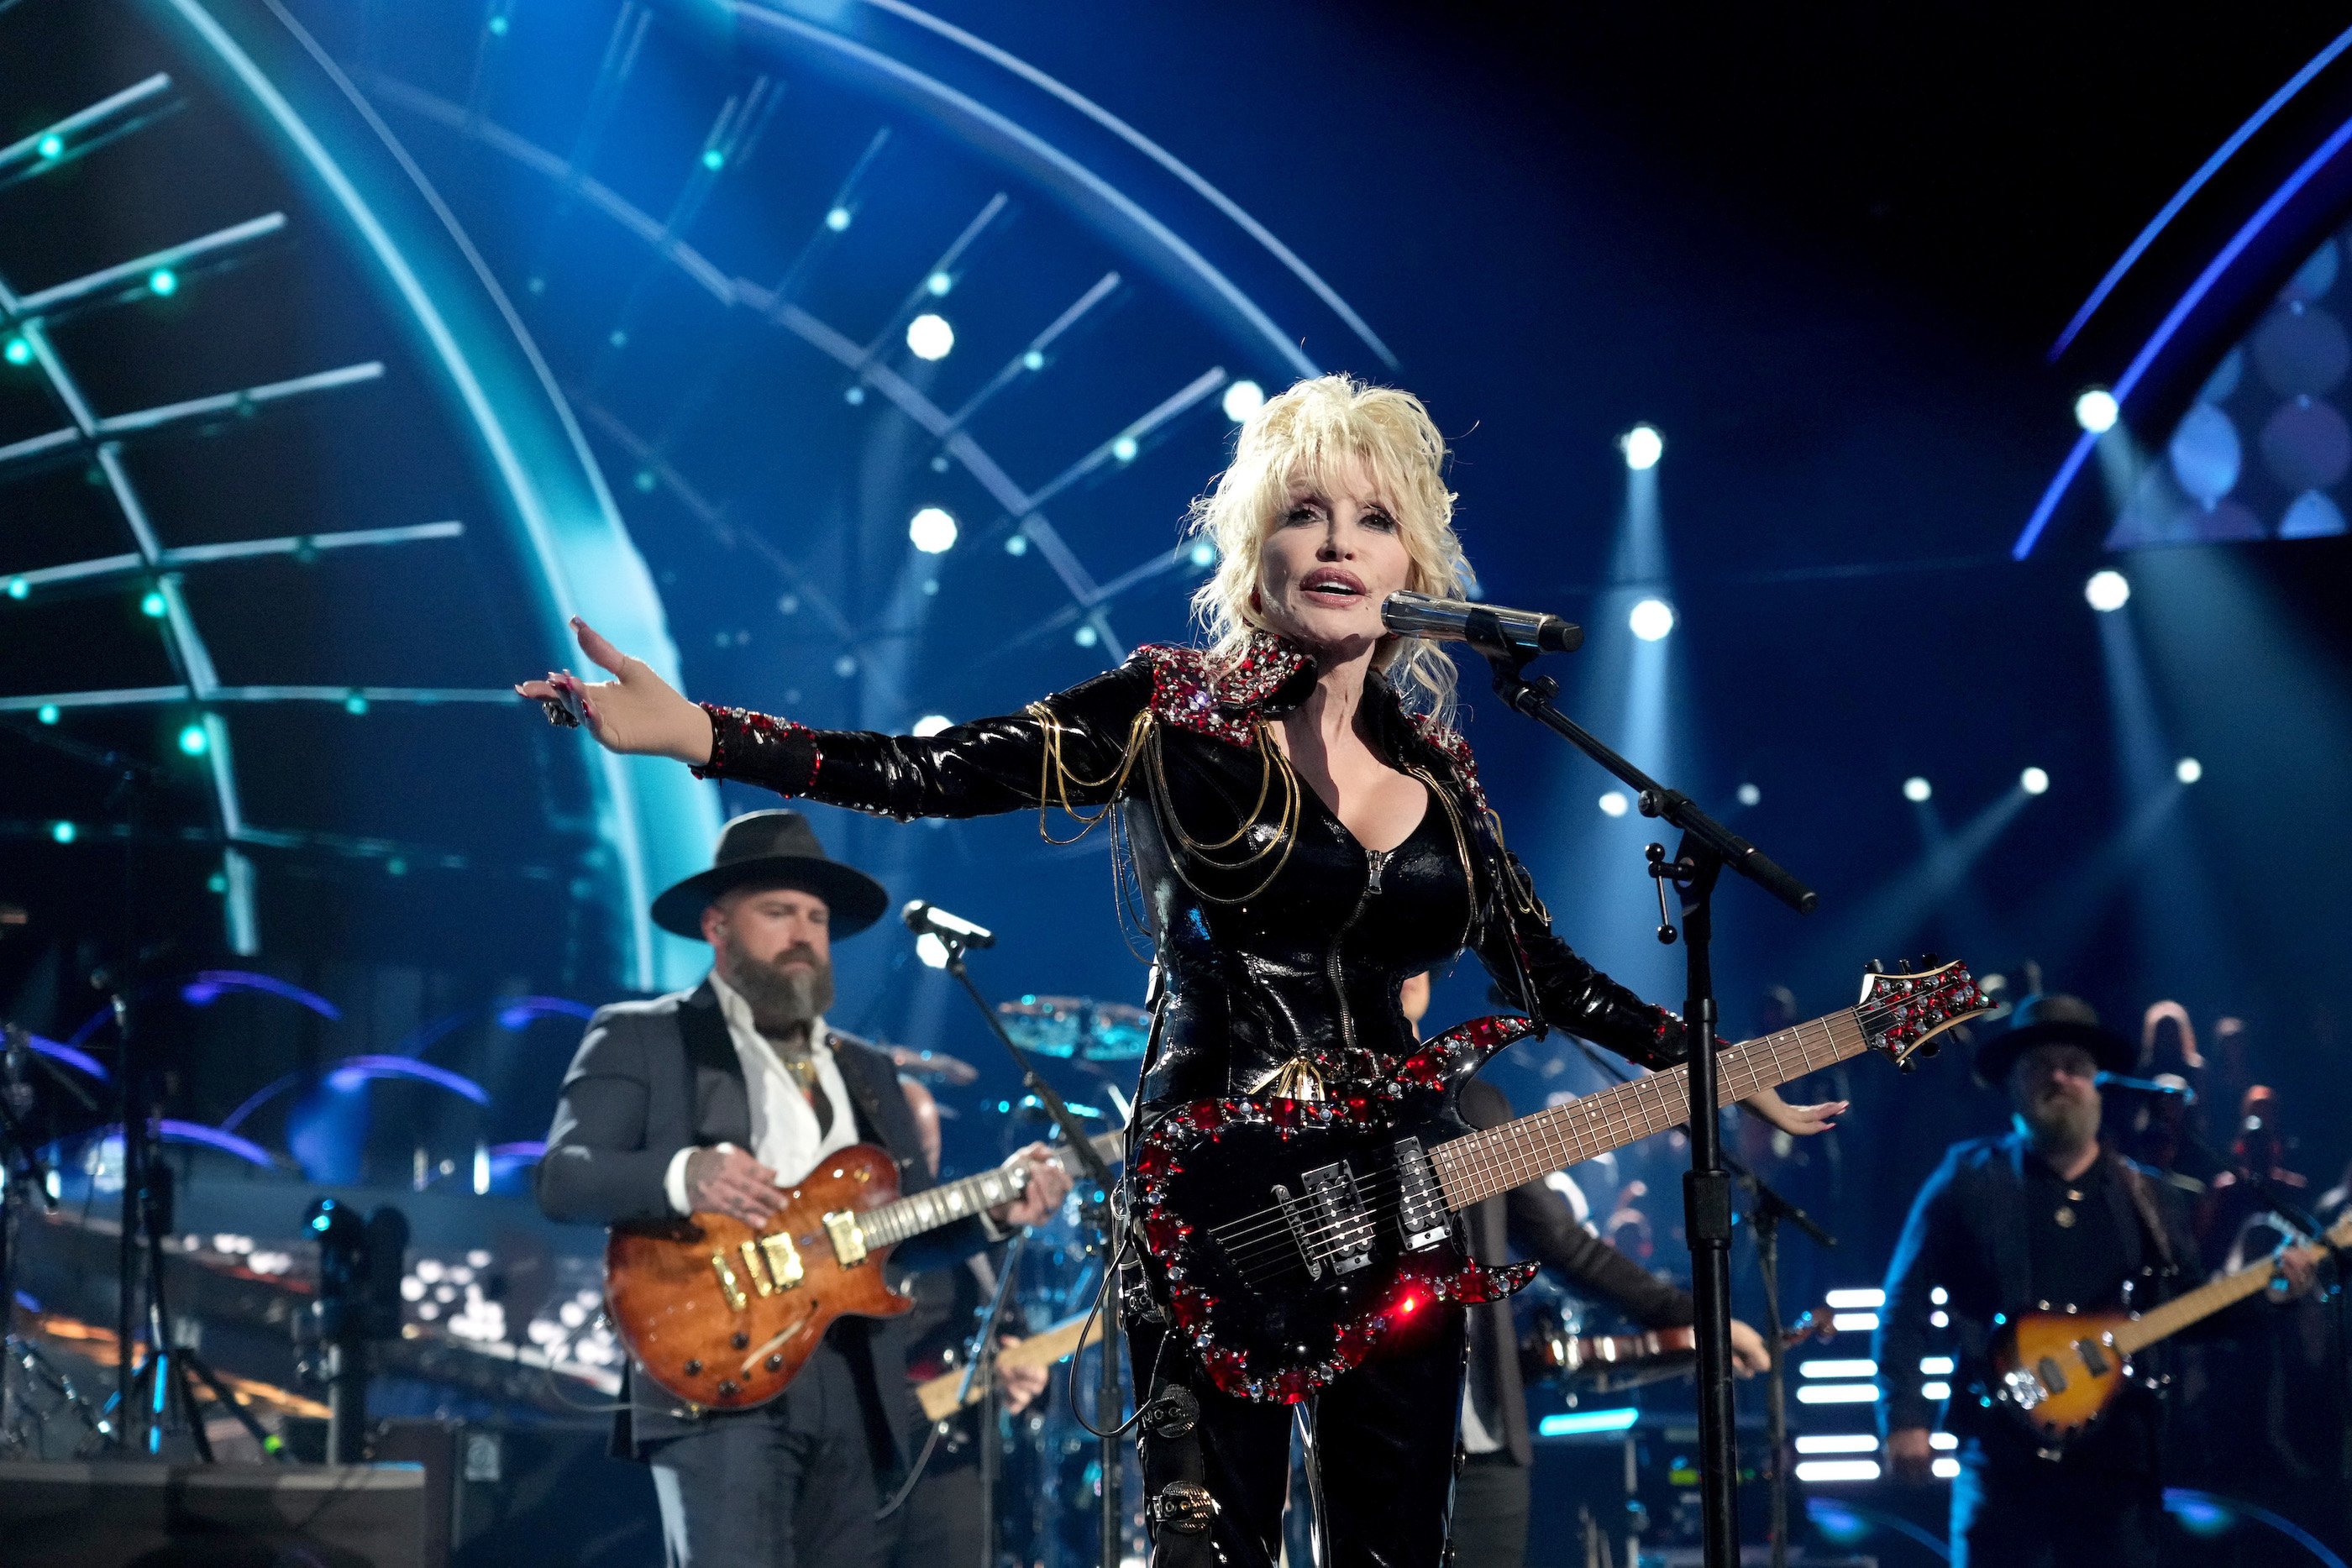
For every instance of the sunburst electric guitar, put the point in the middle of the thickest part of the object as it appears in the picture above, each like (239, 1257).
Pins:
(2060, 1372)
(1291, 1240)
(724, 1315)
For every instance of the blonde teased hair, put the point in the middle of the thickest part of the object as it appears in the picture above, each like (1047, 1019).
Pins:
(1306, 433)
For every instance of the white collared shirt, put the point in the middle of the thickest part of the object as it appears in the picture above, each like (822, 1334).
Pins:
(784, 1133)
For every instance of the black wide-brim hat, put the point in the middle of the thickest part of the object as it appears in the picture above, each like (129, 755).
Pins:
(2041, 1019)
(774, 849)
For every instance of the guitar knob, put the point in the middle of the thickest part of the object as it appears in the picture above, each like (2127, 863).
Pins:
(742, 1340)
(727, 1388)
(694, 1369)
(776, 1362)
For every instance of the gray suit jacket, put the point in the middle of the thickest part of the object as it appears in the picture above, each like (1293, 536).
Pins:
(654, 1077)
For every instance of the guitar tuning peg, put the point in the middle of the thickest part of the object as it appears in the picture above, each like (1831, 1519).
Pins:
(1903, 965)
(1873, 967)
(1931, 960)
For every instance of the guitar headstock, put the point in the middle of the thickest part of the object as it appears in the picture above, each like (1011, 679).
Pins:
(1906, 1013)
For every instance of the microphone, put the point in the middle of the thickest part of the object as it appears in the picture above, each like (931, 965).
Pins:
(930, 920)
(1486, 627)
(2148, 1085)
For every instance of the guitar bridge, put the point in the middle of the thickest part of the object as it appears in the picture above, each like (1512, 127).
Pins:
(2023, 1389)
(734, 1292)
(1298, 1231)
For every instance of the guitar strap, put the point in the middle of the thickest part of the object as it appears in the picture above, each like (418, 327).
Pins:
(2151, 1218)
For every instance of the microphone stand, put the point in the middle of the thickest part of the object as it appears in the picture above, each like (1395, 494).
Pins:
(1113, 1534)
(1766, 1208)
(1707, 848)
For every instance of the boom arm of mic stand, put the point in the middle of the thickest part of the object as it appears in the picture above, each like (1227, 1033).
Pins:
(1533, 698)
(1072, 1128)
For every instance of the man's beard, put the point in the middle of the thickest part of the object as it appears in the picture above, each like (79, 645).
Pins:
(783, 1000)
(2061, 1121)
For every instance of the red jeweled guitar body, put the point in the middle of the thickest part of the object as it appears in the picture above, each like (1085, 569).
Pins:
(1291, 1240)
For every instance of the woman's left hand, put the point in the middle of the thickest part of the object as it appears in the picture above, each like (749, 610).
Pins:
(1797, 1121)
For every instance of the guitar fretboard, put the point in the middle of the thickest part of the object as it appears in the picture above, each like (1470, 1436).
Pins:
(951, 1201)
(1472, 1169)
(2194, 1306)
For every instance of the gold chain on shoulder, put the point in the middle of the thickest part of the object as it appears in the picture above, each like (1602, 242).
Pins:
(1286, 834)
(1056, 777)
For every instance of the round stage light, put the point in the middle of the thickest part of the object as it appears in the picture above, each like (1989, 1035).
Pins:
(1085, 636)
(1642, 446)
(933, 530)
(51, 146)
(1124, 449)
(151, 604)
(938, 284)
(49, 713)
(18, 588)
(2189, 771)
(2035, 781)
(2096, 410)
(194, 742)
(1749, 795)
(19, 351)
(2107, 590)
(1203, 554)
(928, 337)
(845, 665)
(1916, 789)
(713, 159)
(931, 724)
(63, 832)
(1016, 543)
(1034, 359)
(838, 219)
(1244, 399)
(1614, 804)
(1650, 620)
(356, 703)
(163, 281)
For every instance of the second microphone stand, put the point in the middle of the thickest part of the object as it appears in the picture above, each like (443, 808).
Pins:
(1074, 1132)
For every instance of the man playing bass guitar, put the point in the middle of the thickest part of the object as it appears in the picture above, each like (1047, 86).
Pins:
(2044, 1218)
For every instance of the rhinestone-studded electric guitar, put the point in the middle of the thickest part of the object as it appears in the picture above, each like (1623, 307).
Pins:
(1292, 1240)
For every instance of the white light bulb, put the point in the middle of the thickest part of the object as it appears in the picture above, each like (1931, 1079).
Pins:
(2033, 781)
(2189, 771)
(2096, 410)
(1244, 399)
(928, 337)
(1650, 620)
(2107, 590)
(1916, 789)
(1642, 446)
(1614, 804)
(932, 530)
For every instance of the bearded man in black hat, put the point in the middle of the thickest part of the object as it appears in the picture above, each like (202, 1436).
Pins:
(714, 1100)
(2045, 1217)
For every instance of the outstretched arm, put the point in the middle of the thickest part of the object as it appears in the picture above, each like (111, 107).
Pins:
(1071, 749)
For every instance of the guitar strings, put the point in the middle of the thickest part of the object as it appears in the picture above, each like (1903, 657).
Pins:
(1252, 1228)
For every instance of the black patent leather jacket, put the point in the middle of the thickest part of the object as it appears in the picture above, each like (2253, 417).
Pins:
(1279, 937)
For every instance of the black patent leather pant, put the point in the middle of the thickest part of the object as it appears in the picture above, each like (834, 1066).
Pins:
(1383, 1436)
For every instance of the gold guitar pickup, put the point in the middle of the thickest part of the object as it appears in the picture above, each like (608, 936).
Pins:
(849, 1237)
(783, 1259)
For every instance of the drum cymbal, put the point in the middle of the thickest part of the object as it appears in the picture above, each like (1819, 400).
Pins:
(1077, 1027)
(932, 1066)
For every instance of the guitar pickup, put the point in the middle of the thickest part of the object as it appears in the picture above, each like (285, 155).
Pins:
(1420, 1206)
(783, 1259)
(1336, 1212)
(849, 1237)
(2094, 1360)
(2051, 1377)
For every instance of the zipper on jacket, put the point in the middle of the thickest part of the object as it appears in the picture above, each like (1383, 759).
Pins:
(1374, 860)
